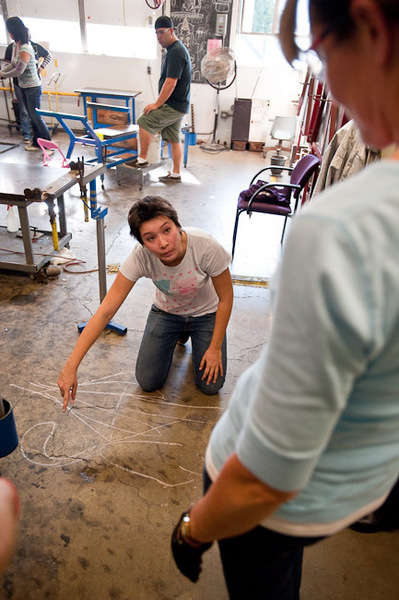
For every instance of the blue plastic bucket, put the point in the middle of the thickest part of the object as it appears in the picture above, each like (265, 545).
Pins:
(8, 431)
(192, 138)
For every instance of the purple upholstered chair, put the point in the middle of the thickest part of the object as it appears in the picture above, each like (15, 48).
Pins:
(276, 198)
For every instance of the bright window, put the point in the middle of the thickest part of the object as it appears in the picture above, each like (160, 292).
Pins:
(263, 16)
(302, 25)
(3, 36)
(110, 40)
(257, 42)
(59, 36)
(114, 40)
(60, 10)
(258, 16)
(258, 51)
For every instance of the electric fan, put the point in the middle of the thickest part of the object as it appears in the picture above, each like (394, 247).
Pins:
(154, 4)
(219, 68)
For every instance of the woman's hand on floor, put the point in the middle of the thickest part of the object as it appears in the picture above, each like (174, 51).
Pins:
(211, 364)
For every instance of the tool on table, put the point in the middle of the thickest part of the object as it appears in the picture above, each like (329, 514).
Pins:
(53, 222)
(35, 194)
(80, 168)
(39, 196)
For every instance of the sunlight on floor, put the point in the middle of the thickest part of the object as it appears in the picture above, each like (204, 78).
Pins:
(258, 248)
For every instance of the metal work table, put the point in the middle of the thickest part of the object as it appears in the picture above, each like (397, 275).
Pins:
(21, 185)
(129, 97)
(49, 184)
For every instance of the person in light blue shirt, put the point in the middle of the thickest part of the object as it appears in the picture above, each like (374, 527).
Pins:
(310, 441)
(23, 66)
(43, 58)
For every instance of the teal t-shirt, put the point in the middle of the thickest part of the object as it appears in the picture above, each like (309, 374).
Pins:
(177, 65)
(319, 411)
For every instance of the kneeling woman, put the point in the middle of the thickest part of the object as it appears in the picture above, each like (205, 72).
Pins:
(194, 297)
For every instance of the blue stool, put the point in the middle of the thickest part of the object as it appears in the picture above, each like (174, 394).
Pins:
(190, 139)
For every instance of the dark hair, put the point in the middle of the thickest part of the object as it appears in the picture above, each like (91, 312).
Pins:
(335, 13)
(163, 22)
(17, 29)
(149, 208)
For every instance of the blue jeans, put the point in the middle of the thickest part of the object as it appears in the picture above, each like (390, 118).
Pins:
(262, 564)
(161, 335)
(24, 120)
(32, 97)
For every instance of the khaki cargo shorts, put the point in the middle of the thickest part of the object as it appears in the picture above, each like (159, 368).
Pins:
(165, 120)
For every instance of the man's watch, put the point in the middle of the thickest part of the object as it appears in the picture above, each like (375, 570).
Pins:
(186, 550)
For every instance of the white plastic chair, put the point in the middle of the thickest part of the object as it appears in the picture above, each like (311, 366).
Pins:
(283, 130)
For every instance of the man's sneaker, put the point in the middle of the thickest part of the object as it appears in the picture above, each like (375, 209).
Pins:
(170, 178)
(136, 164)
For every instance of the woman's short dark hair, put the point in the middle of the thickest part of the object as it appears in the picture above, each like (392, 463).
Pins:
(149, 208)
(17, 29)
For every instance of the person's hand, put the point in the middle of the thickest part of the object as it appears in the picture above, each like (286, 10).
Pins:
(149, 108)
(187, 553)
(9, 513)
(68, 384)
(211, 364)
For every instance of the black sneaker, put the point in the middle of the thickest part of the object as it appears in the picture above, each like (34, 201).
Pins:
(136, 164)
(169, 178)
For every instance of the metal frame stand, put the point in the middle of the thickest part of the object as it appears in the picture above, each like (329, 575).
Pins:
(98, 214)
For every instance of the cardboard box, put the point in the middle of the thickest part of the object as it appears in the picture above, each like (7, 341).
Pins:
(238, 145)
(117, 120)
(256, 146)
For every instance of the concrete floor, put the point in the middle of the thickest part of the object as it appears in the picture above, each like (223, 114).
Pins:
(102, 487)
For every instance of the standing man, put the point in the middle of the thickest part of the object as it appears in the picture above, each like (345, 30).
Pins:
(166, 113)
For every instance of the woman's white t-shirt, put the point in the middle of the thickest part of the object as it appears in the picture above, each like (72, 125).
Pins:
(187, 288)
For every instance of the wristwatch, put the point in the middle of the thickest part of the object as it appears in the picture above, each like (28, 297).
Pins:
(187, 551)
(185, 531)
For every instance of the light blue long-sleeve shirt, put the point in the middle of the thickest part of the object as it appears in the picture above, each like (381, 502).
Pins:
(319, 411)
